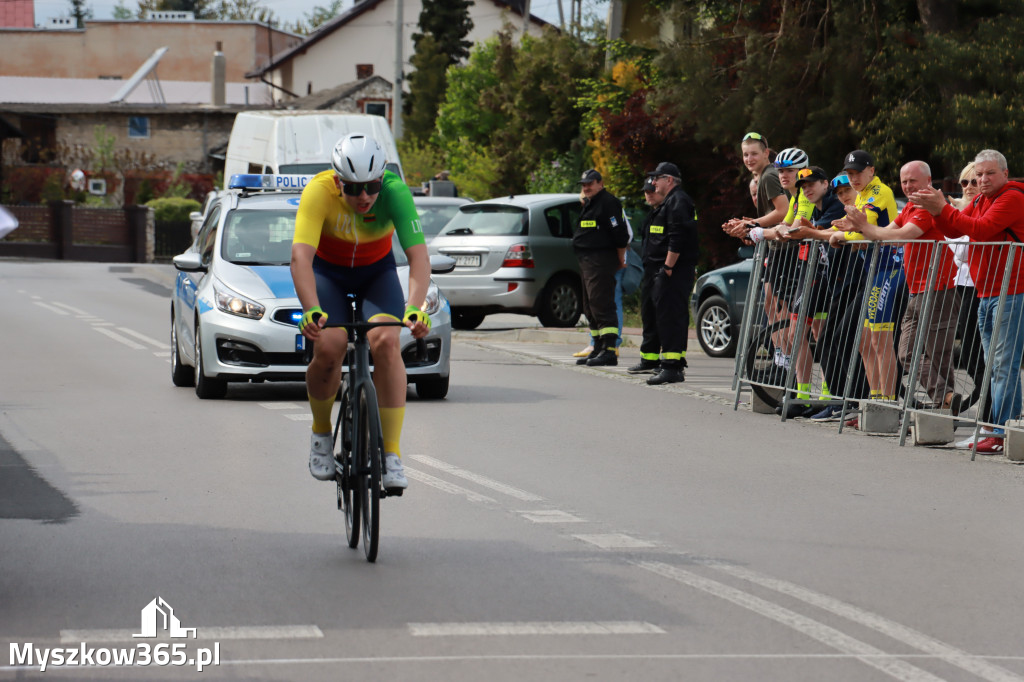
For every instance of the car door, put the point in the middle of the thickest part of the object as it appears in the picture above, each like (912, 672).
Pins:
(188, 283)
(551, 240)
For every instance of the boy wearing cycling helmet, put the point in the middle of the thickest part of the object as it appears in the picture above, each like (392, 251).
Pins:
(342, 245)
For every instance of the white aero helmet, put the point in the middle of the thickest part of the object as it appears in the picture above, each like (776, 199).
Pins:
(358, 158)
(791, 157)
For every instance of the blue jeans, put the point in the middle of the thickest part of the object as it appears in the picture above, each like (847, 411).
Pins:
(618, 302)
(1003, 349)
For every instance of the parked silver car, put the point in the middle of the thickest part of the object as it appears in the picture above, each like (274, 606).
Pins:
(435, 212)
(234, 312)
(512, 254)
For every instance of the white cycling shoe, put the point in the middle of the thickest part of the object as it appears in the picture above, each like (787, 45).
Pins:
(394, 472)
(321, 457)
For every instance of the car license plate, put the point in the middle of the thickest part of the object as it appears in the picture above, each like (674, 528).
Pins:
(468, 261)
(300, 343)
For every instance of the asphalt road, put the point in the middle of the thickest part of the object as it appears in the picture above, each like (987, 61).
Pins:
(562, 523)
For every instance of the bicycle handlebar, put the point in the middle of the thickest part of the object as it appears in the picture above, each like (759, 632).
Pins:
(421, 344)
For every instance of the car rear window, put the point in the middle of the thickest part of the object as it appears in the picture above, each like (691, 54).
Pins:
(258, 237)
(488, 219)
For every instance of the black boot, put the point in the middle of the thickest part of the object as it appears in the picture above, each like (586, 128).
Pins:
(645, 367)
(607, 357)
(598, 346)
(670, 374)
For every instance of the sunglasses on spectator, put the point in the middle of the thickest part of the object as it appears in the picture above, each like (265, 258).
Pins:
(755, 136)
(973, 182)
(840, 181)
(804, 173)
(354, 189)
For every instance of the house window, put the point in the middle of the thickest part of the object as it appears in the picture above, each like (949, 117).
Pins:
(138, 126)
(376, 107)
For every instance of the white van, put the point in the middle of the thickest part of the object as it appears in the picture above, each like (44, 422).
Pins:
(298, 142)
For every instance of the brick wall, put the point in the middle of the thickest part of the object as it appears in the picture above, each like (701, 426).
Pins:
(99, 226)
(33, 224)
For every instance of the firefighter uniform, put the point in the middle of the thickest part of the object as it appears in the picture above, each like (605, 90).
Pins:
(600, 233)
(665, 292)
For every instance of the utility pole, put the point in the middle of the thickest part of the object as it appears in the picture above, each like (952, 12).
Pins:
(561, 16)
(526, 16)
(396, 98)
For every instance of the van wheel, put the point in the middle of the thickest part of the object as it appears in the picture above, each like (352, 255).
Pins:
(561, 302)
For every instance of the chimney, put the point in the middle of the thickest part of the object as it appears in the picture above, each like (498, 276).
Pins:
(217, 75)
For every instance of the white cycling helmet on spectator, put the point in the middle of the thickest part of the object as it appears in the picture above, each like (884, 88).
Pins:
(358, 158)
(791, 157)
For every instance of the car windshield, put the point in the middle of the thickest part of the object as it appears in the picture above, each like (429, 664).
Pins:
(435, 216)
(488, 220)
(258, 237)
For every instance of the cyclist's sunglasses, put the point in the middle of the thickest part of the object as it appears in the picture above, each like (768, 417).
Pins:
(784, 164)
(842, 180)
(973, 182)
(354, 189)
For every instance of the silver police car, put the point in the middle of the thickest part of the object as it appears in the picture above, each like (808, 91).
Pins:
(234, 312)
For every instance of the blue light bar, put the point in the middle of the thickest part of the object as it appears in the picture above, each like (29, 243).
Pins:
(268, 182)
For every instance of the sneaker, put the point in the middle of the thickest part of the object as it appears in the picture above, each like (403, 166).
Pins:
(781, 359)
(583, 353)
(667, 375)
(644, 367)
(796, 410)
(968, 443)
(606, 358)
(829, 414)
(853, 423)
(394, 472)
(989, 446)
(321, 457)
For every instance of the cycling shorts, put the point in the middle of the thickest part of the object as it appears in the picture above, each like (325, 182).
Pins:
(883, 299)
(781, 271)
(818, 302)
(376, 285)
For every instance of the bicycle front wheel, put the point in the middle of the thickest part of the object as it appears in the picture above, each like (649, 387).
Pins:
(765, 377)
(348, 489)
(369, 456)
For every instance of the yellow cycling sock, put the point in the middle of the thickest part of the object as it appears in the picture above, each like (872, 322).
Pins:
(825, 393)
(803, 390)
(321, 413)
(391, 419)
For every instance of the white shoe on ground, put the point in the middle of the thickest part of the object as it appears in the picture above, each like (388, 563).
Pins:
(968, 443)
(394, 472)
(321, 457)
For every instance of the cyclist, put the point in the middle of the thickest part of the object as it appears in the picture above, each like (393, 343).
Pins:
(342, 245)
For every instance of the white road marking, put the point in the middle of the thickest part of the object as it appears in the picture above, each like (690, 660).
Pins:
(71, 309)
(120, 339)
(518, 494)
(56, 311)
(894, 667)
(549, 516)
(615, 541)
(282, 406)
(142, 337)
(303, 417)
(894, 630)
(447, 487)
(101, 323)
(203, 633)
(538, 628)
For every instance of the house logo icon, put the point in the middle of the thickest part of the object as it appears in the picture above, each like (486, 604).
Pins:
(158, 618)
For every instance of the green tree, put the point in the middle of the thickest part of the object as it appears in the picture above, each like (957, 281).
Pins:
(318, 15)
(80, 11)
(121, 11)
(420, 161)
(442, 43)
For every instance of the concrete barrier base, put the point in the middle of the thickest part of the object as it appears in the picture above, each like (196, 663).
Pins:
(877, 418)
(758, 406)
(930, 429)
(1013, 444)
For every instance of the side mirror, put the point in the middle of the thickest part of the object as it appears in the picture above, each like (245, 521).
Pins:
(441, 265)
(190, 261)
(195, 215)
(745, 252)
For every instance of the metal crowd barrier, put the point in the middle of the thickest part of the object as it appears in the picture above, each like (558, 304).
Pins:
(804, 341)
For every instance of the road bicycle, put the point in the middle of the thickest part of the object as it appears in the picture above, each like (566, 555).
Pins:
(358, 439)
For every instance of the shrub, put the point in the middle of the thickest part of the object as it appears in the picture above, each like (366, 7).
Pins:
(173, 209)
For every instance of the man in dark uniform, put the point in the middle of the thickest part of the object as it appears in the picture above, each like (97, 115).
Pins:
(600, 242)
(670, 254)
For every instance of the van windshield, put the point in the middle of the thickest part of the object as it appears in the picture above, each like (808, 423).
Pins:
(303, 168)
(488, 219)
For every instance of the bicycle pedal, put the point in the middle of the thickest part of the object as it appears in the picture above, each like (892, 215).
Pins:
(393, 492)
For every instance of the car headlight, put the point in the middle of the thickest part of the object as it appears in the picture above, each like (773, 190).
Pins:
(432, 304)
(233, 303)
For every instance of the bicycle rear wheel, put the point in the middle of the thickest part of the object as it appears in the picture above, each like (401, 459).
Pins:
(765, 377)
(368, 457)
(348, 491)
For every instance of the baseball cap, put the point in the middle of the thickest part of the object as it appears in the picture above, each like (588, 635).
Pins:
(590, 176)
(810, 174)
(858, 160)
(649, 185)
(665, 168)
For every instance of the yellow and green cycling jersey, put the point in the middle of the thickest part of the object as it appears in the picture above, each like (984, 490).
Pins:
(343, 237)
(799, 207)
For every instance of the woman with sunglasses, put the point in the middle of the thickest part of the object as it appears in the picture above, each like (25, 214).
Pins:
(342, 246)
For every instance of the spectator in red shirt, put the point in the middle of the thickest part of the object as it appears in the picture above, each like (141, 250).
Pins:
(997, 215)
(915, 223)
